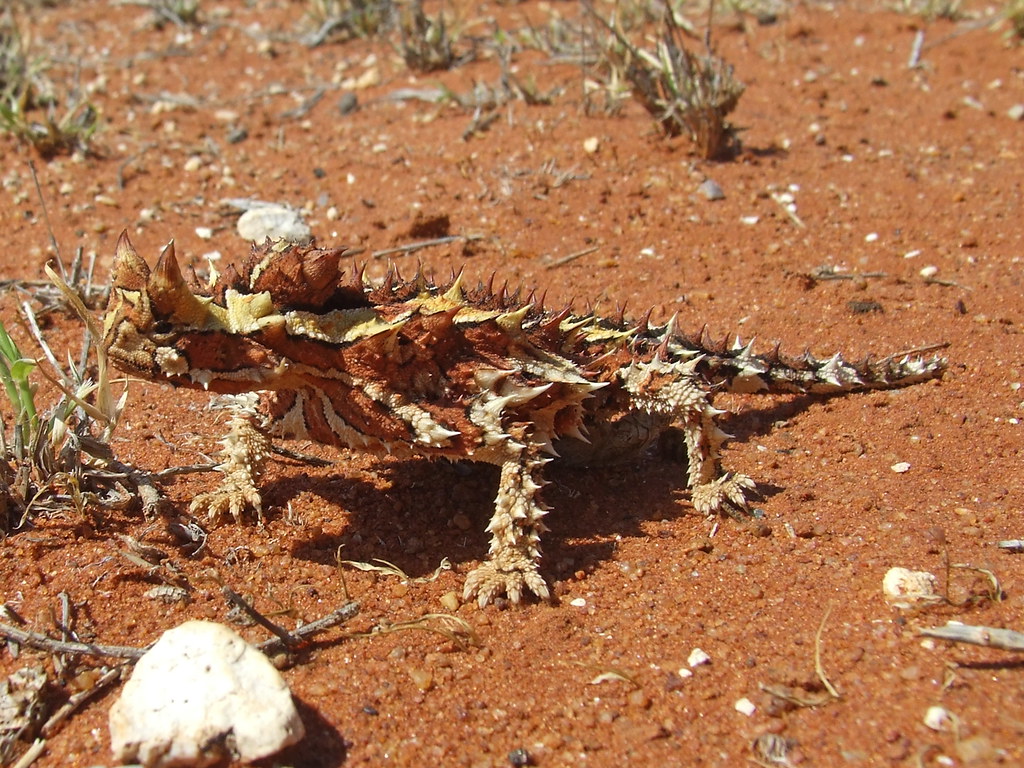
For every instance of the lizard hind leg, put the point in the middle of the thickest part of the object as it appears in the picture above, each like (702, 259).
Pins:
(511, 567)
(243, 456)
(674, 390)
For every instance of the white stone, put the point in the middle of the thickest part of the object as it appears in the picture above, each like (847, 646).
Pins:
(938, 719)
(697, 657)
(278, 222)
(745, 707)
(900, 467)
(904, 587)
(202, 694)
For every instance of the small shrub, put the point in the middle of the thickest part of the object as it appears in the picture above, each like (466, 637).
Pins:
(1015, 16)
(427, 44)
(346, 19)
(30, 107)
(685, 92)
(59, 458)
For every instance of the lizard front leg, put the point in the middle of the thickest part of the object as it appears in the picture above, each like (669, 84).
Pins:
(512, 563)
(243, 456)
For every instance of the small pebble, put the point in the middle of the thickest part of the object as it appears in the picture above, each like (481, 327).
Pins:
(903, 587)
(697, 657)
(938, 719)
(236, 135)
(204, 233)
(449, 601)
(193, 164)
(1016, 112)
(277, 222)
(900, 467)
(348, 103)
(591, 145)
(745, 707)
(870, 237)
(711, 190)
(929, 271)
(578, 602)
(422, 678)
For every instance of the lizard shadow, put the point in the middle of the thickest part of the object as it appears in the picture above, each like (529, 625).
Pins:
(432, 510)
(323, 746)
(435, 510)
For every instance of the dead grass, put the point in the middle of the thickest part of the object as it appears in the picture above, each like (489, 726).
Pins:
(686, 93)
(53, 120)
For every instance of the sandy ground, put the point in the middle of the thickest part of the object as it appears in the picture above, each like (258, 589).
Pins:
(906, 179)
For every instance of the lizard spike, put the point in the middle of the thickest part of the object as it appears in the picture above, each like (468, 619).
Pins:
(167, 275)
(491, 378)
(745, 351)
(598, 362)
(362, 281)
(705, 340)
(644, 326)
(454, 292)
(554, 322)
(513, 321)
(620, 318)
(671, 329)
(170, 295)
(663, 348)
(577, 432)
(518, 395)
(388, 286)
(421, 281)
(130, 269)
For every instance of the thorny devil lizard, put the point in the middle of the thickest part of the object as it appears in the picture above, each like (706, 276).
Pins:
(410, 368)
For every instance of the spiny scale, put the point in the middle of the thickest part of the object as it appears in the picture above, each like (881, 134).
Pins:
(307, 349)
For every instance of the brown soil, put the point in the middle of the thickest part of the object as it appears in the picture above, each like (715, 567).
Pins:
(892, 170)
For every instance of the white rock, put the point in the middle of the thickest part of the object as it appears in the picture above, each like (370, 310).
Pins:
(745, 707)
(711, 190)
(278, 222)
(697, 657)
(199, 695)
(903, 587)
(900, 467)
(938, 719)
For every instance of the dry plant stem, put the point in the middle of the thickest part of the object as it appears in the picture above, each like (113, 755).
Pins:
(31, 754)
(412, 247)
(347, 612)
(572, 257)
(108, 678)
(818, 668)
(989, 637)
(286, 638)
(43, 643)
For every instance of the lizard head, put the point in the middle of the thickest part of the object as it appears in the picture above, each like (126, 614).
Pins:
(159, 328)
